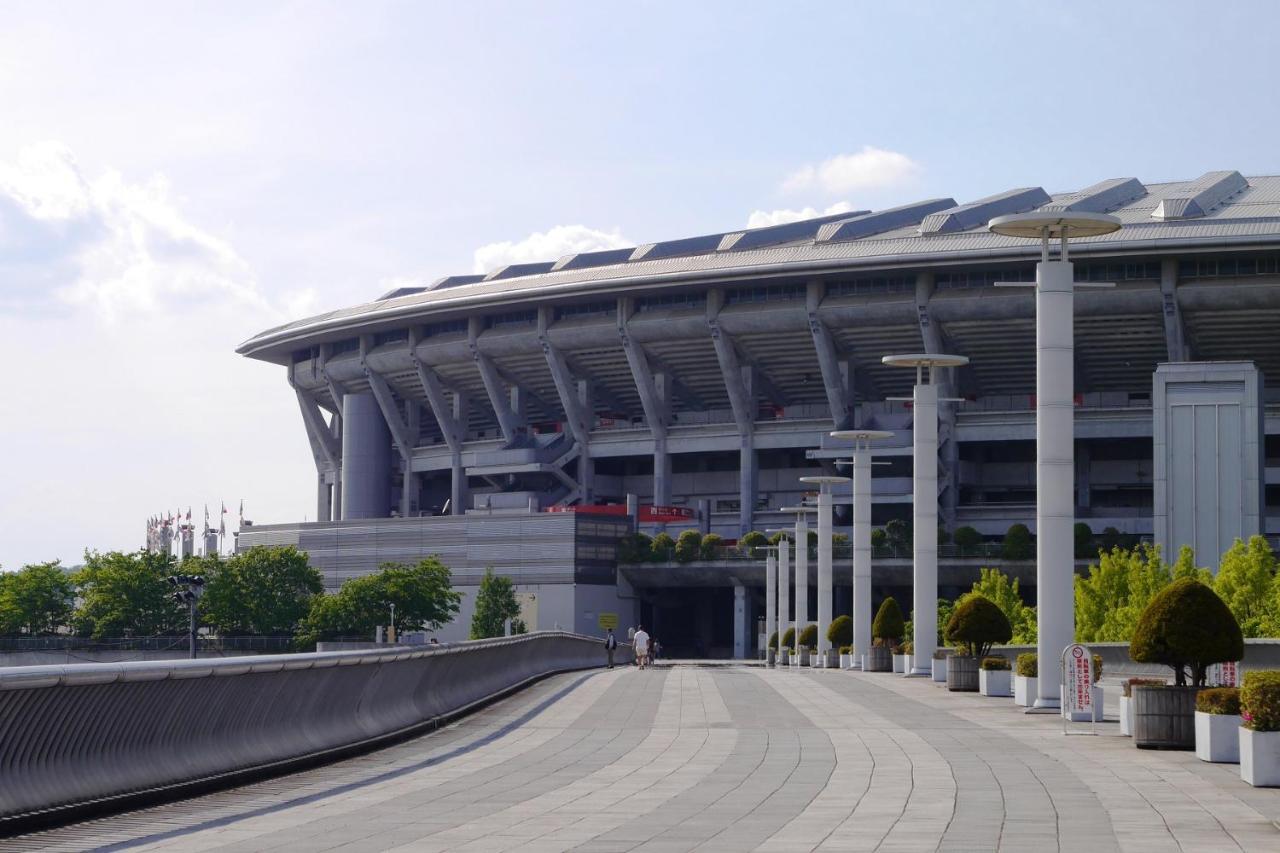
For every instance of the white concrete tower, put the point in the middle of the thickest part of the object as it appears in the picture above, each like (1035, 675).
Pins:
(770, 600)
(801, 575)
(861, 471)
(1055, 425)
(924, 502)
(784, 589)
(824, 485)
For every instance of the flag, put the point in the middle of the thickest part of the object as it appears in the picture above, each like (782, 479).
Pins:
(222, 521)
(206, 519)
(242, 512)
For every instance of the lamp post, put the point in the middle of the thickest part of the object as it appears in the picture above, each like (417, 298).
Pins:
(824, 484)
(802, 568)
(1055, 415)
(924, 502)
(861, 471)
(187, 590)
(770, 604)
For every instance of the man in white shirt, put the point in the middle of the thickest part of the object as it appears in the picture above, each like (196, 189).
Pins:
(641, 641)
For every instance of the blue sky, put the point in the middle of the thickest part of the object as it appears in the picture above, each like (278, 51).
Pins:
(177, 176)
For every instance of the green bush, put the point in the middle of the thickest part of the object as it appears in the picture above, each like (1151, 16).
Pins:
(750, 542)
(773, 640)
(898, 532)
(1219, 700)
(809, 636)
(1260, 701)
(840, 631)
(966, 537)
(1028, 665)
(1186, 626)
(688, 546)
(1018, 544)
(635, 548)
(977, 624)
(1130, 683)
(888, 625)
(995, 663)
(710, 549)
(661, 548)
(1084, 546)
(789, 638)
(846, 650)
(879, 538)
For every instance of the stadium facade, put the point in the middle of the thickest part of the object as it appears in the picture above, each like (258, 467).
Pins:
(702, 376)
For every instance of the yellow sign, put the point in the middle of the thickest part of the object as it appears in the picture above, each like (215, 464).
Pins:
(607, 621)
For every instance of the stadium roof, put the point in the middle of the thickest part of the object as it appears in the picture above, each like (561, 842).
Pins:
(1217, 209)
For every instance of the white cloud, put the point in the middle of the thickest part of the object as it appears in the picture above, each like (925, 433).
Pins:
(762, 218)
(869, 169)
(548, 245)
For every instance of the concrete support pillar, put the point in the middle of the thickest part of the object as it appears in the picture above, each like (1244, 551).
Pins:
(458, 492)
(323, 498)
(784, 588)
(366, 458)
(925, 527)
(740, 622)
(661, 457)
(770, 597)
(748, 477)
(802, 574)
(1055, 470)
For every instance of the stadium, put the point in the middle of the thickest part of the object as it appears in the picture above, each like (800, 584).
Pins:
(528, 418)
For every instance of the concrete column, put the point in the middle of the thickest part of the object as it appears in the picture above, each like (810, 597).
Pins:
(802, 574)
(784, 588)
(748, 476)
(739, 621)
(323, 508)
(770, 597)
(924, 501)
(366, 458)
(824, 568)
(661, 457)
(861, 552)
(1055, 471)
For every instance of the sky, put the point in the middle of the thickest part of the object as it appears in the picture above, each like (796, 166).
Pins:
(175, 177)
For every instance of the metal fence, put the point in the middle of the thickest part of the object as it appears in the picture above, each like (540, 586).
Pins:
(61, 643)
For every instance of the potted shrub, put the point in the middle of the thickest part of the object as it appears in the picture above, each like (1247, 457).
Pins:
(1126, 701)
(1024, 680)
(1187, 628)
(886, 631)
(771, 655)
(975, 626)
(839, 636)
(808, 641)
(846, 657)
(1260, 733)
(787, 654)
(994, 676)
(1218, 725)
(940, 656)
(902, 659)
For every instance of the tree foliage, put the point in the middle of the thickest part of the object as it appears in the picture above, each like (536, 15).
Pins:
(1187, 627)
(710, 547)
(1244, 582)
(967, 537)
(750, 542)
(996, 586)
(977, 624)
(888, 626)
(661, 547)
(422, 593)
(809, 636)
(688, 546)
(840, 631)
(37, 599)
(1018, 544)
(259, 592)
(898, 534)
(495, 603)
(127, 595)
(1085, 548)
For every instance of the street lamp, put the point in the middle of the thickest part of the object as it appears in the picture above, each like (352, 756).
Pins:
(187, 590)
(861, 470)
(824, 484)
(924, 502)
(802, 568)
(1055, 416)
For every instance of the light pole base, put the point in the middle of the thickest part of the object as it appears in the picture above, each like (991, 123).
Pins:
(916, 672)
(1045, 706)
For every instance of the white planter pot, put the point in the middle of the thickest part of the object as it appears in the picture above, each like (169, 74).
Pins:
(1217, 738)
(899, 663)
(846, 661)
(1126, 716)
(1024, 691)
(994, 682)
(1260, 758)
(1085, 716)
(940, 670)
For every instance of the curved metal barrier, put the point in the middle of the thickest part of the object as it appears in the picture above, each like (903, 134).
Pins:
(87, 735)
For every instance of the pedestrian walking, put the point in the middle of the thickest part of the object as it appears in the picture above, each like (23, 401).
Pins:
(610, 646)
(641, 640)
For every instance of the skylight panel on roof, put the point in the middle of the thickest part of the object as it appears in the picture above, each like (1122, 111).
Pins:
(980, 212)
(882, 220)
(1102, 197)
(1200, 196)
(585, 260)
(517, 270)
(772, 235)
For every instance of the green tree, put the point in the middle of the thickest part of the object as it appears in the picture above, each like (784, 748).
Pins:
(710, 547)
(661, 548)
(127, 595)
(967, 539)
(840, 632)
(1084, 546)
(688, 546)
(36, 599)
(422, 594)
(898, 535)
(976, 625)
(1109, 601)
(996, 587)
(261, 592)
(635, 548)
(1244, 581)
(879, 539)
(750, 542)
(1018, 544)
(1185, 567)
(887, 628)
(495, 603)
(1187, 627)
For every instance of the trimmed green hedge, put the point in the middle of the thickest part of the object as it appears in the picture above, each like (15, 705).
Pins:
(995, 663)
(888, 625)
(789, 638)
(1028, 665)
(840, 631)
(977, 624)
(773, 640)
(1260, 701)
(809, 637)
(1219, 700)
(1187, 627)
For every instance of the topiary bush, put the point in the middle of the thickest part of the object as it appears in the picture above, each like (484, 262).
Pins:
(661, 548)
(1187, 627)
(966, 538)
(1219, 700)
(688, 546)
(879, 538)
(750, 542)
(789, 638)
(1018, 544)
(809, 637)
(840, 631)
(1260, 701)
(977, 624)
(995, 663)
(888, 626)
(634, 548)
(710, 548)
(773, 640)
(1028, 665)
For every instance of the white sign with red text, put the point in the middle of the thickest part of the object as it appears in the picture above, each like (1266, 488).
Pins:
(1077, 680)
(1223, 674)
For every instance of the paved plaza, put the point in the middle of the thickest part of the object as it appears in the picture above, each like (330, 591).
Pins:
(726, 758)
